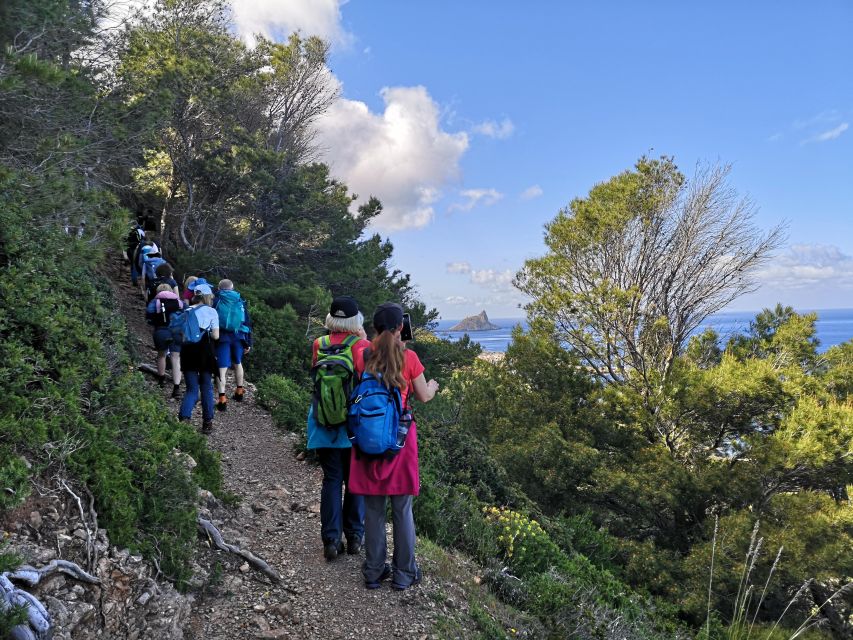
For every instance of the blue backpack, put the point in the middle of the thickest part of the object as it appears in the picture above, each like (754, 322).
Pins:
(374, 420)
(184, 327)
(231, 311)
(150, 267)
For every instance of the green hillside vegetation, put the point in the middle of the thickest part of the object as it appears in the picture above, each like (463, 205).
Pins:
(602, 476)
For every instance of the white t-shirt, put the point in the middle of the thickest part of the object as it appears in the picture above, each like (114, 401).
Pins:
(207, 317)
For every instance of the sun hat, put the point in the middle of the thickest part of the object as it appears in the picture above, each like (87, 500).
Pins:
(198, 282)
(202, 289)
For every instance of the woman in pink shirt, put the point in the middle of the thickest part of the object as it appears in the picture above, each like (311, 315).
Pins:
(397, 478)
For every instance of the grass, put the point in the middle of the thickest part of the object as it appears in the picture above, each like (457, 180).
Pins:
(452, 577)
(748, 601)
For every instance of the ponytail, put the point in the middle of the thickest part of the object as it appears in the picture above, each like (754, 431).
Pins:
(386, 357)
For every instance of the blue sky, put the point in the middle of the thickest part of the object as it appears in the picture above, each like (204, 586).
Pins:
(475, 122)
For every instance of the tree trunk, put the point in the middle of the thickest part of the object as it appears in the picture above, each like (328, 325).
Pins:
(185, 217)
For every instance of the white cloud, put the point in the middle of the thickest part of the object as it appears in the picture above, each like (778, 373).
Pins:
(402, 156)
(276, 19)
(808, 266)
(832, 134)
(458, 267)
(495, 280)
(492, 129)
(531, 192)
(456, 300)
(820, 120)
(475, 197)
(489, 278)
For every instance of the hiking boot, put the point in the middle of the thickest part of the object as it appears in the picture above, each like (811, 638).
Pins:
(402, 587)
(375, 584)
(161, 381)
(207, 426)
(353, 545)
(239, 392)
(222, 404)
(332, 550)
(176, 391)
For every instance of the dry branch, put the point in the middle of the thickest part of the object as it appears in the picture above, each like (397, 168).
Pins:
(213, 534)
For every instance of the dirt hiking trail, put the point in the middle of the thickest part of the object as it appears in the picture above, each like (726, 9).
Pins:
(277, 518)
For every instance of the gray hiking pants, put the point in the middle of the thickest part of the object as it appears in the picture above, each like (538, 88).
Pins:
(375, 547)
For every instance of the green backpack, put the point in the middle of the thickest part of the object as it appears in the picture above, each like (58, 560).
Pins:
(333, 381)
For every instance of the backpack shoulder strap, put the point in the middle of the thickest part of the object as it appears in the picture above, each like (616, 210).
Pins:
(398, 400)
(325, 342)
(350, 340)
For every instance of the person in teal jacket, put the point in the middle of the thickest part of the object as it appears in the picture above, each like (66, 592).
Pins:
(341, 513)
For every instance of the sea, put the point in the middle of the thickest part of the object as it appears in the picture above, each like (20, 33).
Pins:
(834, 326)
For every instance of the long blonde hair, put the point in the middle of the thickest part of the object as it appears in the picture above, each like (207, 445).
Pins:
(387, 357)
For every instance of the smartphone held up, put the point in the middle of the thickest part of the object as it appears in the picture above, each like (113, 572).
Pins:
(406, 333)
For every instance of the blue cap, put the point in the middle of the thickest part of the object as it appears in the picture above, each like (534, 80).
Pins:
(198, 282)
(202, 289)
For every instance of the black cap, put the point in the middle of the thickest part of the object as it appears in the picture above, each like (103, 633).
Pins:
(388, 315)
(343, 307)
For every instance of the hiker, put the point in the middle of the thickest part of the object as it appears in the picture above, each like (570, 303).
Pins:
(187, 293)
(164, 274)
(377, 478)
(345, 324)
(159, 312)
(142, 249)
(135, 236)
(145, 249)
(150, 261)
(235, 339)
(198, 359)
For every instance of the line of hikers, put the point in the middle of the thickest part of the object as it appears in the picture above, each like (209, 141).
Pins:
(360, 422)
(203, 333)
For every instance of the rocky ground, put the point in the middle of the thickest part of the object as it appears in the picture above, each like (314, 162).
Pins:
(277, 518)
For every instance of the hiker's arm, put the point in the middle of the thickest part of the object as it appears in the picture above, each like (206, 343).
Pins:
(214, 333)
(424, 391)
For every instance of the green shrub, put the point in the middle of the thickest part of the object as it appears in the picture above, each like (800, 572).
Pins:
(14, 478)
(442, 356)
(73, 402)
(452, 517)
(523, 541)
(579, 534)
(286, 401)
(280, 346)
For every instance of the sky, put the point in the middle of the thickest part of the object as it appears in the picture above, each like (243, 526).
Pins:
(476, 122)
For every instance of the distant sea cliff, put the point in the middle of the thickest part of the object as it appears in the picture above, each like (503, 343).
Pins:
(480, 322)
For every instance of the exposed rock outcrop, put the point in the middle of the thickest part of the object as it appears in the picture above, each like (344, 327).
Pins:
(480, 322)
(117, 596)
